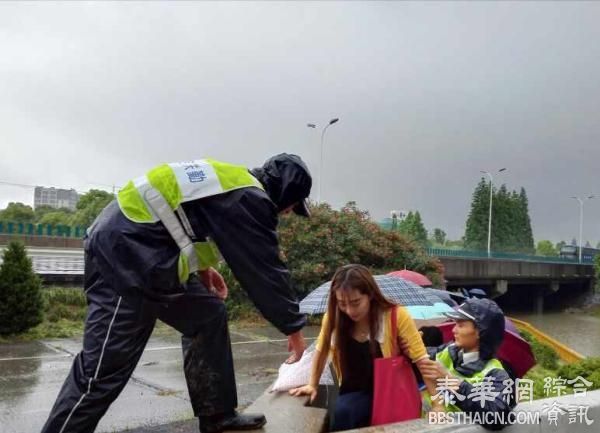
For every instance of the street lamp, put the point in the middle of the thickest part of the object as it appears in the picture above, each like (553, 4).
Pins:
(313, 126)
(489, 243)
(581, 201)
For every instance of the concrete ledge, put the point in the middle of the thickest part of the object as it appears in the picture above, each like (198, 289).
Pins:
(287, 414)
(592, 400)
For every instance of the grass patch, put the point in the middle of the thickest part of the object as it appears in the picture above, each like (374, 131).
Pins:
(544, 355)
(64, 316)
(550, 366)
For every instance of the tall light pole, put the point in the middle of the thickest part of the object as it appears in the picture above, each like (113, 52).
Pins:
(312, 125)
(581, 201)
(489, 243)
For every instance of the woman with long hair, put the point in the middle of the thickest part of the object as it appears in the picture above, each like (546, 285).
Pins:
(355, 330)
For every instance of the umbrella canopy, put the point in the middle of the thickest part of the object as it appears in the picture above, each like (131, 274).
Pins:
(413, 276)
(449, 298)
(514, 350)
(420, 304)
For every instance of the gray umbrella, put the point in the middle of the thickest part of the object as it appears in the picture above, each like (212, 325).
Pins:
(396, 289)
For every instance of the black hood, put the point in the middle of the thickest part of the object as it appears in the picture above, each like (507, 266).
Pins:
(489, 320)
(286, 180)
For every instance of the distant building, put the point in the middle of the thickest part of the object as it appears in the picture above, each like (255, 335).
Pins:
(55, 197)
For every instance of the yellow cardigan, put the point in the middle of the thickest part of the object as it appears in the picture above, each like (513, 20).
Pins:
(406, 329)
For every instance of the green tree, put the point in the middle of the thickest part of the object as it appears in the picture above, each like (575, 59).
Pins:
(439, 236)
(476, 230)
(18, 213)
(21, 303)
(521, 227)
(89, 207)
(511, 224)
(40, 211)
(56, 218)
(546, 248)
(412, 226)
(458, 244)
(504, 237)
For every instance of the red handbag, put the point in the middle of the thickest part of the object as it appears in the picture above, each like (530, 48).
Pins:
(396, 395)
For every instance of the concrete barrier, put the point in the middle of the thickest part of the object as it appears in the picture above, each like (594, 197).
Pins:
(287, 414)
(291, 414)
(544, 407)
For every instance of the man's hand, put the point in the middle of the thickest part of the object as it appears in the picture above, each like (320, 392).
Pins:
(296, 344)
(214, 282)
(435, 371)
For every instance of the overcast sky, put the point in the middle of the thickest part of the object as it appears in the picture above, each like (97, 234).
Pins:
(428, 94)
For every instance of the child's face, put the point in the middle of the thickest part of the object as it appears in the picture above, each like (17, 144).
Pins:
(353, 303)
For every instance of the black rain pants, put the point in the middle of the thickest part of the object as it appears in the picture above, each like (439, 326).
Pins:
(117, 329)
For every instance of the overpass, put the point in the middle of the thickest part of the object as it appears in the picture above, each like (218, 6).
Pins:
(502, 271)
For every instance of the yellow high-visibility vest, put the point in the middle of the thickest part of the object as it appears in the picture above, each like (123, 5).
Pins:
(158, 196)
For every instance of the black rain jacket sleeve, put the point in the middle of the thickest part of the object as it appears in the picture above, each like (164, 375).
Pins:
(498, 405)
(243, 224)
(502, 387)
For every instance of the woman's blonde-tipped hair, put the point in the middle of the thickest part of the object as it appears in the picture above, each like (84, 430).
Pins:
(346, 278)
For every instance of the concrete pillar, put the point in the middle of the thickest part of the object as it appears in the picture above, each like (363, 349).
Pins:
(595, 287)
(499, 288)
(539, 301)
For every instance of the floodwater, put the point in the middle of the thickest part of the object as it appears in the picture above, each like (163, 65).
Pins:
(579, 331)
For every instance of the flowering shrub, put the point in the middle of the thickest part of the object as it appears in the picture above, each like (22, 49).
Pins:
(315, 247)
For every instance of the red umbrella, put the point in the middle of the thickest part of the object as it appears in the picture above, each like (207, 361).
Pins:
(514, 350)
(413, 276)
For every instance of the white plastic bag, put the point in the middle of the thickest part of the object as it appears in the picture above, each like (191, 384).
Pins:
(298, 374)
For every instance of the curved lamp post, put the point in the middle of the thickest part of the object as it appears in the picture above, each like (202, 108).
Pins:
(314, 126)
(489, 243)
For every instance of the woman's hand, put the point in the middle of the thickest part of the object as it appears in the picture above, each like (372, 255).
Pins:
(432, 370)
(305, 390)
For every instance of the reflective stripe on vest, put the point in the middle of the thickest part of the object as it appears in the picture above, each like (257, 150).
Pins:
(445, 359)
(158, 197)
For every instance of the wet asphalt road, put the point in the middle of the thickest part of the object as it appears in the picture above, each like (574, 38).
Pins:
(155, 399)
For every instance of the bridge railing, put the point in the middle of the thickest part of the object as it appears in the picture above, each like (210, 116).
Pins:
(59, 230)
(443, 252)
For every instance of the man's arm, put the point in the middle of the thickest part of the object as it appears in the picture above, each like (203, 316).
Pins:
(243, 224)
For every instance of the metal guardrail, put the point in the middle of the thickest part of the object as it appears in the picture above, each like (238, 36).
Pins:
(59, 230)
(442, 252)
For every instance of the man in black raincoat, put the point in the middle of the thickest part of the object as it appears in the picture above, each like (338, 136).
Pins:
(471, 378)
(131, 280)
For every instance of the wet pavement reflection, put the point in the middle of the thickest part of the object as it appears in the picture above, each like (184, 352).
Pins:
(31, 375)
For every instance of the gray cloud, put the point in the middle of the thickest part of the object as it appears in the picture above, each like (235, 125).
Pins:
(428, 94)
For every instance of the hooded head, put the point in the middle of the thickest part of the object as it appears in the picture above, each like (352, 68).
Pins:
(287, 181)
(489, 321)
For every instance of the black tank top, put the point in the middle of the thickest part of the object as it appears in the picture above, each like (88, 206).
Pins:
(357, 373)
